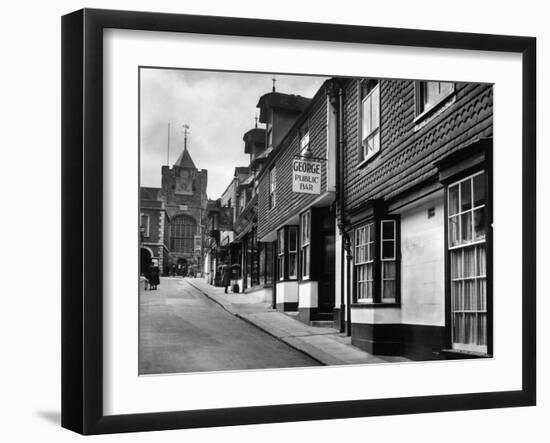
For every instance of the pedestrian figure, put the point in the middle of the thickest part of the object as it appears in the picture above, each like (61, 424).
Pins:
(226, 276)
(154, 278)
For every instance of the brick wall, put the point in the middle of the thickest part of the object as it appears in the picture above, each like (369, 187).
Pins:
(408, 149)
(155, 235)
(289, 203)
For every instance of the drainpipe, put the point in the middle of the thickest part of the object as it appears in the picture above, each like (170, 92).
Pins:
(345, 319)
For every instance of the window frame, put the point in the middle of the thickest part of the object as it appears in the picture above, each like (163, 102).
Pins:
(370, 239)
(292, 230)
(304, 132)
(146, 231)
(181, 239)
(363, 156)
(242, 201)
(462, 246)
(420, 107)
(378, 261)
(269, 135)
(272, 188)
(305, 246)
(283, 253)
(384, 260)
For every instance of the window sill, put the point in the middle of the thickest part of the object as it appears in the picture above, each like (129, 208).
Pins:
(456, 353)
(366, 161)
(375, 305)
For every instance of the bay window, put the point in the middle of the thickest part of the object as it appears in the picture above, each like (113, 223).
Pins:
(388, 258)
(281, 254)
(466, 220)
(266, 263)
(305, 244)
(287, 253)
(364, 262)
(376, 252)
(292, 253)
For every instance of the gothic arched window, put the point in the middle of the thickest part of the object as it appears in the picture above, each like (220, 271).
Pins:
(182, 231)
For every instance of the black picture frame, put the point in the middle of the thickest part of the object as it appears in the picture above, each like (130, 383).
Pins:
(82, 190)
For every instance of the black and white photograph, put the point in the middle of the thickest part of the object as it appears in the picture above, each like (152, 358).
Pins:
(291, 221)
(252, 222)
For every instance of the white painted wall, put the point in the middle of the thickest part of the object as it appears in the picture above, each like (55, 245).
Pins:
(240, 283)
(308, 294)
(376, 315)
(422, 262)
(259, 295)
(287, 292)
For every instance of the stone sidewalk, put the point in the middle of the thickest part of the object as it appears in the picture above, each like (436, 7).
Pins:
(326, 345)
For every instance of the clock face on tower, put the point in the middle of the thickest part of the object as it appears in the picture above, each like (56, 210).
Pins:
(184, 183)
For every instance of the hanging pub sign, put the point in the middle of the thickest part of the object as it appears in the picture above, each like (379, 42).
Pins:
(225, 220)
(306, 176)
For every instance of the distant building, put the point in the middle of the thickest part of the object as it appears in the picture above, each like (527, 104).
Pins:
(220, 218)
(180, 208)
(154, 229)
(184, 190)
(246, 252)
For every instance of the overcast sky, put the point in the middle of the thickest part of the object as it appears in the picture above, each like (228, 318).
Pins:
(219, 107)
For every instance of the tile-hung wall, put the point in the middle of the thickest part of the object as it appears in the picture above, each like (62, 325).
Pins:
(310, 292)
(409, 150)
(398, 222)
(288, 203)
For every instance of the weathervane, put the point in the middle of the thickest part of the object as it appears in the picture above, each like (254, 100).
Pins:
(185, 134)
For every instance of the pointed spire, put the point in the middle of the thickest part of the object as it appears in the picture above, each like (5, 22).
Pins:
(273, 80)
(185, 160)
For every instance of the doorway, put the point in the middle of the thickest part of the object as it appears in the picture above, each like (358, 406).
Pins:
(145, 260)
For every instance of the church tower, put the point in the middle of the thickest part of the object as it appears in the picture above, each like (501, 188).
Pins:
(184, 190)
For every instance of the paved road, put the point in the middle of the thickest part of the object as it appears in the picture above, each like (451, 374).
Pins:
(182, 330)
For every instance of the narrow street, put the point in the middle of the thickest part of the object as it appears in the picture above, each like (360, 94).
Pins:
(181, 330)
